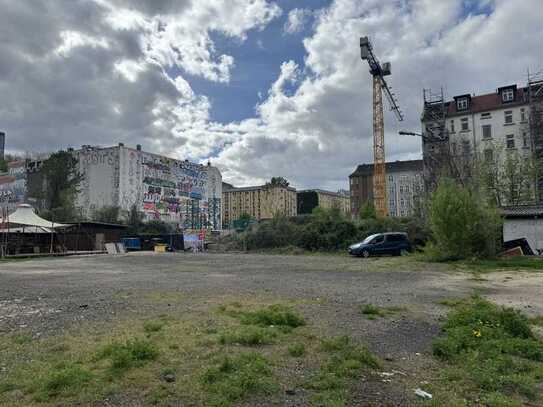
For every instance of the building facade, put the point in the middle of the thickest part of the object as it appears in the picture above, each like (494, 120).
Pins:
(259, 202)
(469, 129)
(404, 187)
(309, 199)
(13, 186)
(162, 188)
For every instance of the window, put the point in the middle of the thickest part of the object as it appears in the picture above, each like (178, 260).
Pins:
(453, 148)
(487, 131)
(522, 115)
(485, 116)
(452, 126)
(525, 140)
(462, 104)
(489, 155)
(510, 141)
(508, 116)
(464, 123)
(508, 95)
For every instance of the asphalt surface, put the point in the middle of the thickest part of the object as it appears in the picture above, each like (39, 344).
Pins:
(48, 296)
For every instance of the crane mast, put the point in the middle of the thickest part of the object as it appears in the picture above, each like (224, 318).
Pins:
(379, 72)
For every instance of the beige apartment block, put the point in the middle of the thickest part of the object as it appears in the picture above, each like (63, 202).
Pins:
(259, 202)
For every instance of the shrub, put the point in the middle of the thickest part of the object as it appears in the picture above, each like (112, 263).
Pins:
(152, 326)
(462, 225)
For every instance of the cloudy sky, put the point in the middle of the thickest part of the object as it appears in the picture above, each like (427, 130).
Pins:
(261, 87)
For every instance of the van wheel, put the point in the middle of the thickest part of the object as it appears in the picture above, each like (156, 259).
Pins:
(365, 254)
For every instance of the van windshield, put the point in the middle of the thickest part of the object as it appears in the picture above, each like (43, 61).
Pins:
(369, 239)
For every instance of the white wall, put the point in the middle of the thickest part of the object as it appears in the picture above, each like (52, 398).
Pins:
(531, 229)
(100, 184)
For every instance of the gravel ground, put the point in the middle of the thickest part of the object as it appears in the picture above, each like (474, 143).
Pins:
(48, 296)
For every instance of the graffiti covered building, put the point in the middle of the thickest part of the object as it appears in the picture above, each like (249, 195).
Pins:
(162, 188)
(13, 185)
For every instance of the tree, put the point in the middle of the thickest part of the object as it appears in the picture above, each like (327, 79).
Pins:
(62, 181)
(508, 177)
(3, 166)
(367, 211)
(463, 225)
(107, 214)
(135, 217)
(278, 181)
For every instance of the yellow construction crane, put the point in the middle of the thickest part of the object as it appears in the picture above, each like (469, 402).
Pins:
(379, 72)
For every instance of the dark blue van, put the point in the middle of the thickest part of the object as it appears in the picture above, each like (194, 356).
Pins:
(394, 243)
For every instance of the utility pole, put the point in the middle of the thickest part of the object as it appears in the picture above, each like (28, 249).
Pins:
(379, 72)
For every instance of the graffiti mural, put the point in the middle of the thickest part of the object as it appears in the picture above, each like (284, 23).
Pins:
(175, 191)
(13, 186)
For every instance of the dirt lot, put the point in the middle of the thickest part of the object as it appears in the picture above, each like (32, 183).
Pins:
(48, 298)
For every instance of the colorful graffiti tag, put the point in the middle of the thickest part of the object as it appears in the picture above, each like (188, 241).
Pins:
(13, 186)
(175, 191)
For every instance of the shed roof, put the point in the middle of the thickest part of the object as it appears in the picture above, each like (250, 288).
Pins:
(392, 166)
(522, 211)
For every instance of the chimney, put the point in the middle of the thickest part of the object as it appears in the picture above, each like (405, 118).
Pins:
(138, 147)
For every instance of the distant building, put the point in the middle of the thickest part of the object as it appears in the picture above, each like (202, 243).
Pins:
(13, 185)
(259, 202)
(162, 188)
(485, 128)
(404, 187)
(309, 199)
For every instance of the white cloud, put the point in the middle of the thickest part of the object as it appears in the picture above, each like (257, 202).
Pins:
(297, 19)
(123, 74)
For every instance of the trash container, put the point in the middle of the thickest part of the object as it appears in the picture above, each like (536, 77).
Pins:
(160, 248)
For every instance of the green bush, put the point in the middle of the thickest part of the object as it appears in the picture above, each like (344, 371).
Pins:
(462, 224)
(63, 379)
(130, 353)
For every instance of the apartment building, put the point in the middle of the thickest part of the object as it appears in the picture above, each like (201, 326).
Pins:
(458, 132)
(404, 187)
(259, 202)
(309, 199)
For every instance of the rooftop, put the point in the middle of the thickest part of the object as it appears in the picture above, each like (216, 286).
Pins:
(322, 191)
(393, 166)
(523, 211)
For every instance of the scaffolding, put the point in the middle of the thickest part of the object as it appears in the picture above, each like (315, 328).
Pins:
(435, 138)
(535, 101)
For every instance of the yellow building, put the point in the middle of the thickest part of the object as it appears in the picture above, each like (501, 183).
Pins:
(312, 198)
(259, 202)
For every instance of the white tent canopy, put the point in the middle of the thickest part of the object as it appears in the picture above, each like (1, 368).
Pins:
(24, 216)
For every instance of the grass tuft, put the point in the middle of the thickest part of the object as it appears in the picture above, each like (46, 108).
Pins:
(63, 379)
(152, 326)
(128, 354)
(373, 311)
(248, 335)
(345, 362)
(276, 315)
(296, 350)
(233, 378)
(493, 349)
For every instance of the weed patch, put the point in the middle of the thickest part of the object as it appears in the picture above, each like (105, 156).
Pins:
(492, 351)
(63, 379)
(128, 354)
(234, 378)
(274, 315)
(345, 362)
(152, 326)
(296, 350)
(248, 335)
(372, 311)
